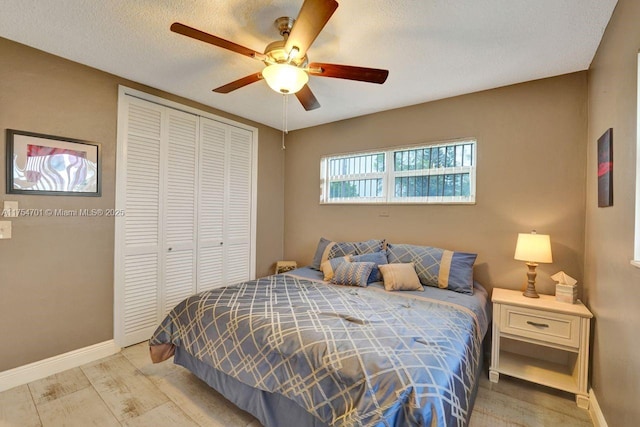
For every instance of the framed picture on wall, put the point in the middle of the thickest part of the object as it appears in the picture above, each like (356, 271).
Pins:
(605, 169)
(51, 165)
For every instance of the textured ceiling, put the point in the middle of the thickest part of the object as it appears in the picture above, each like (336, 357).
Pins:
(433, 49)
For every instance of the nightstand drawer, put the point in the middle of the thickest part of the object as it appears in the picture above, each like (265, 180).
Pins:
(540, 325)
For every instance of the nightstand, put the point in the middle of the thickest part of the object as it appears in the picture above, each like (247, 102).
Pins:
(541, 340)
(284, 266)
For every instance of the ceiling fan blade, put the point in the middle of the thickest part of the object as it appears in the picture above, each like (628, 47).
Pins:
(185, 30)
(312, 18)
(370, 75)
(307, 99)
(237, 84)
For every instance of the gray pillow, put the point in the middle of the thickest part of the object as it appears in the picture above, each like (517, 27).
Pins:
(437, 267)
(376, 257)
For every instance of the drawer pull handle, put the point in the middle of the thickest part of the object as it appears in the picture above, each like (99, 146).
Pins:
(539, 325)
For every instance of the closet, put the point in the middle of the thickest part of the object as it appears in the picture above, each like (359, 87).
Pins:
(185, 183)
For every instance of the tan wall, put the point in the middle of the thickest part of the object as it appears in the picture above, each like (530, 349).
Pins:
(531, 171)
(612, 284)
(56, 274)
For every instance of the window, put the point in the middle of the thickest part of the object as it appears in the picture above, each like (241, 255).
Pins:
(439, 173)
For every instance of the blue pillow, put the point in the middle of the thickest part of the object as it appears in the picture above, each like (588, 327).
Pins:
(437, 267)
(317, 258)
(338, 249)
(328, 249)
(369, 246)
(375, 257)
(329, 266)
(353, 273)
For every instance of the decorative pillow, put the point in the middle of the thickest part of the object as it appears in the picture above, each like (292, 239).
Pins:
(328, 249)
(400, 277)
(353, 273)
(338, 249)
(317, 258)
(329, 266)
(437, 267)
(375, 257)
(369, 246)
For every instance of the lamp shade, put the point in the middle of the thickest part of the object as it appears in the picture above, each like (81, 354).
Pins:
(533, 248)
(285, 78)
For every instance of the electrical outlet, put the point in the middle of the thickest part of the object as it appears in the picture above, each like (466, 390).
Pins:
(5, 229)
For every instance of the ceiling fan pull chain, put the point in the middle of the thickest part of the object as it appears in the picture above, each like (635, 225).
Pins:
(286, 110)
(284, 118)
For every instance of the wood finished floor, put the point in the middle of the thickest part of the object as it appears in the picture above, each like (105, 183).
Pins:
(126, 389)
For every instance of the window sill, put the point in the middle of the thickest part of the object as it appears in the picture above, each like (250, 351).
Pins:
(399, 203)
(635, 263)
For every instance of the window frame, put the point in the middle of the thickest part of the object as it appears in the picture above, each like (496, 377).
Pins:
(390, 174)
(636, 249)
(325, 185)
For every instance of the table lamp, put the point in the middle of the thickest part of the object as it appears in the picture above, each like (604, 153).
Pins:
(533, 248)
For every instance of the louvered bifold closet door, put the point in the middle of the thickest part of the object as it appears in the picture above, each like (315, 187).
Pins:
(213, 149)
(185, 183)
(180, 220)
(139, 235)
(237, 240)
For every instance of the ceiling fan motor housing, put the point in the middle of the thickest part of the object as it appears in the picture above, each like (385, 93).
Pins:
(276, 54)
(275, 50)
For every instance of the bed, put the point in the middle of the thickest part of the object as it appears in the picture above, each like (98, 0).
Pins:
(295, 350)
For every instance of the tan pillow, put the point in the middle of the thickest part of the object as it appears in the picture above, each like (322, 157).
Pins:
(329, 266)
(400, 277)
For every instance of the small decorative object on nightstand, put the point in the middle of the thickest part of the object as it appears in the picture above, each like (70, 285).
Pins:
(566, 288)
(533, 248)
(284, 266)
(542, 341)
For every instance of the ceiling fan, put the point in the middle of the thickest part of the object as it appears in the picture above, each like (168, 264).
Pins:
(287, 65)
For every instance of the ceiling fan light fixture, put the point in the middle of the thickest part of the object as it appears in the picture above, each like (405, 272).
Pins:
(285, 78)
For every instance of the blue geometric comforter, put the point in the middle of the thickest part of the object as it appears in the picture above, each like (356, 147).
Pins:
(350, 356)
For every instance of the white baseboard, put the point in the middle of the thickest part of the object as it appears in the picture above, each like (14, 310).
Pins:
(43, 368)
(594, 410)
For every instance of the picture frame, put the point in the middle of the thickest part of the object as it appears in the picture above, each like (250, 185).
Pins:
(605, 169)
(51, 165)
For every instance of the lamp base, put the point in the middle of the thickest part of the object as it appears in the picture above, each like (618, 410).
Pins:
(530, 292)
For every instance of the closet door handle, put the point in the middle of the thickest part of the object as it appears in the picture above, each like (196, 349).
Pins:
(538, 325)
(170, 249)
